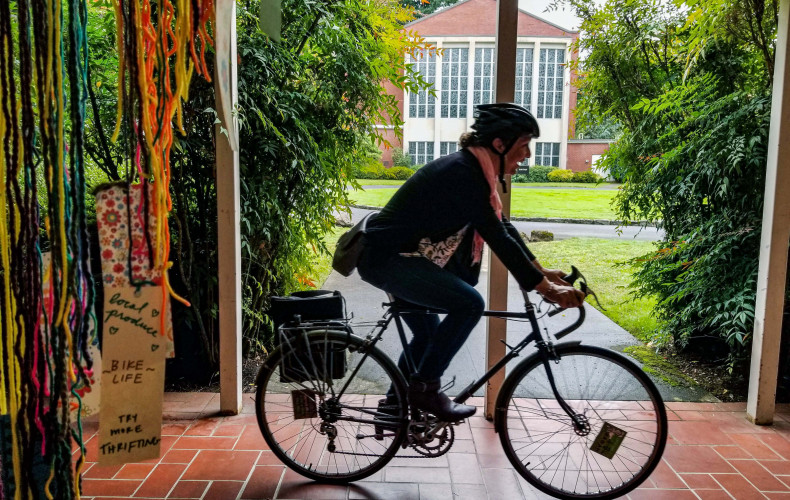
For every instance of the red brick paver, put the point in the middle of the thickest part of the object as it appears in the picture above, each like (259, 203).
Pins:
(713, 452)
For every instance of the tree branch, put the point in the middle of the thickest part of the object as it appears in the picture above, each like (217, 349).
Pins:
(104, 153)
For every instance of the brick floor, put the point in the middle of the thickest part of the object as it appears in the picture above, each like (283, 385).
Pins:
(712, 453)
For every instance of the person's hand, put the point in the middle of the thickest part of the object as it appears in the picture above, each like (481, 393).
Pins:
(555, 276)
(564, 296)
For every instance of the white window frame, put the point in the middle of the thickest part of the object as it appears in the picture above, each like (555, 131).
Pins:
(422, 104)
(447, 147)
(547, 154)
(551, 82)
(483, 76)
(455, 68)
(421, 152)
(525, 60)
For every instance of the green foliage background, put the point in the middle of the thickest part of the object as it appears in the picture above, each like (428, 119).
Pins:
(689, 89)
(307, 110)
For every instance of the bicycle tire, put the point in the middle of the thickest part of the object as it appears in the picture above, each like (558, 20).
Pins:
(299, 435)
(539, 438)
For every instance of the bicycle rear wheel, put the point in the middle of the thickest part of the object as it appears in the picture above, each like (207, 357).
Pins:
(624, 427)
(315, 429)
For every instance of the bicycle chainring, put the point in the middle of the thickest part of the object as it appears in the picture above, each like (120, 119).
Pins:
(431, 438)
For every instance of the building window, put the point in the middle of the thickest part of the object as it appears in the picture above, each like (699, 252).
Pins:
(421, 152)
(454, 82)
(446, 148)
(524, 77)
(547, 154)
(550, 83)
(421, 104)
(484, 76)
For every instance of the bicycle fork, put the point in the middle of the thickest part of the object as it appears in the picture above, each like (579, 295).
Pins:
(581, 425)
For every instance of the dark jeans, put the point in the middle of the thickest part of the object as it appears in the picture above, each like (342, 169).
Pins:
(419, 281)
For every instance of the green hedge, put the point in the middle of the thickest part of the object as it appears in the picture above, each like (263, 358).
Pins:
(586, 176)
(398, 173)
(560, 175)
(571, 176)
(538, 173)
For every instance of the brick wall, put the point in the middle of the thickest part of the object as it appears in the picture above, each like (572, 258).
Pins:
(580, 153)
(478, 18)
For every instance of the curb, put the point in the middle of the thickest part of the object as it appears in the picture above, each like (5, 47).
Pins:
(598, 222)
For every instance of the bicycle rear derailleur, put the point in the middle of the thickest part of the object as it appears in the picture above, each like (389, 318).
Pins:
(428, 436)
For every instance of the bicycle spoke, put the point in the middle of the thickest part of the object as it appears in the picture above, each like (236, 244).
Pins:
(318, 431)
(565, 456)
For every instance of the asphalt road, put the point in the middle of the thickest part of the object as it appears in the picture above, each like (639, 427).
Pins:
(564, 231)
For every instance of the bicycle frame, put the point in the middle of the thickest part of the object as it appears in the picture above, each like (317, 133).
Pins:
(544, 348)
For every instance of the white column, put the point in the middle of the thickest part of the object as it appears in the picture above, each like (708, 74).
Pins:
(470, 89)
(774, 242)
(566, 104)
(496, 328)
(228, 234)
(437, 112)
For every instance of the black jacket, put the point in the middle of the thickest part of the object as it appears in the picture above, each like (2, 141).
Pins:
(436, 202)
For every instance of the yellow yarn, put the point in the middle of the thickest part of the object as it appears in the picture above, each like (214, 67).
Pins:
(121, 68)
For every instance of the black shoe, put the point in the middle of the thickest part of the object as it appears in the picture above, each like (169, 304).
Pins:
(386, 407)
(425, 396)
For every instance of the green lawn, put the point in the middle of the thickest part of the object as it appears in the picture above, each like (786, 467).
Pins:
(603, 264)
(548, 202)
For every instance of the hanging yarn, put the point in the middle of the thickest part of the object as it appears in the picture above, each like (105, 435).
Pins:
(154, 73)
(43, 340)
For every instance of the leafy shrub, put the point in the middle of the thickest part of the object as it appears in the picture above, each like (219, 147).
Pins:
(417, 167)
(586, 176)
(400, 159)
(560, 175)
(398, 173)
(371, 172)
(539, 173)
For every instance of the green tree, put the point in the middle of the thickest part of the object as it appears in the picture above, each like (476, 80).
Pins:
(689, 88)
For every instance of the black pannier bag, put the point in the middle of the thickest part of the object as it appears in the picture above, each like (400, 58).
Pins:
(297, 315)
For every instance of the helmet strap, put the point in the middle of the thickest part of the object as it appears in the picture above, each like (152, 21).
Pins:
(502, 172)
(508, 147)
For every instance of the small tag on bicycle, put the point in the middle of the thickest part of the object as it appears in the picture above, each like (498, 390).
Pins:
(304, 404)
(608, 440)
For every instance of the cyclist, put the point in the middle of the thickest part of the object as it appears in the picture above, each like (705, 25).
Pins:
(425, 247)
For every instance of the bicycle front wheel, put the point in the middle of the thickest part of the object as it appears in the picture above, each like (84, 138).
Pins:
(617, 439)
(318, 406)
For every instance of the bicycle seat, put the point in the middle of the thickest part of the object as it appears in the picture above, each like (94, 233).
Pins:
(406, 307)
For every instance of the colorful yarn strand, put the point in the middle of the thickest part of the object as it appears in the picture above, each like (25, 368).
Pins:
(43, 338)
(157, 72)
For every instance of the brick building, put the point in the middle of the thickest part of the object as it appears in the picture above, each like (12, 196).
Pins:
(463, 76)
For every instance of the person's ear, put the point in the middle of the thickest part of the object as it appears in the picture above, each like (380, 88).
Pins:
(498, 145)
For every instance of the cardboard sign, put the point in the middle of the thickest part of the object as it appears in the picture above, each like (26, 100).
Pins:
(133, 375)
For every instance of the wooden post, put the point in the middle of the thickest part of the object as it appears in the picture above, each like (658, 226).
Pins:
(496, 328)
(228, 224)
(774, 241)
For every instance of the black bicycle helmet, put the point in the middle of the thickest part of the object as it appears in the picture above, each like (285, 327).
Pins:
(508, 122)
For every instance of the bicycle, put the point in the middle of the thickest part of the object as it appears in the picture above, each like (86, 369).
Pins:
(575, 421)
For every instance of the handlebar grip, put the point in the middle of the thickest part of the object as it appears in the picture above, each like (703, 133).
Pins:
(571, 278)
